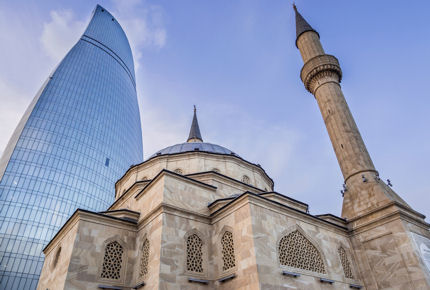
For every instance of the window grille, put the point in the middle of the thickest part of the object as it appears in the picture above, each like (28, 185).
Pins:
(227, 251)
(345, 263)
(296, 251)
(112, 261)
(144, 259)
(194, 254)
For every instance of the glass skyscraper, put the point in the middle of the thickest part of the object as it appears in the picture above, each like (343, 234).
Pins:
(79, 135)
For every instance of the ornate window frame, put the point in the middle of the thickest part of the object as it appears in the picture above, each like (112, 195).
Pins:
(205, 255)
(351, 260)
(219, 258)
(123, 269)
(294, 228)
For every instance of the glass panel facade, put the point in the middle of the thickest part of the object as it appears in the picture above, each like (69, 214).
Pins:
(82, 133)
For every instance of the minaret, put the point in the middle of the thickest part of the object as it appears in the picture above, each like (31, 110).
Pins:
(321, 75)
(195, 135)
(384, 231)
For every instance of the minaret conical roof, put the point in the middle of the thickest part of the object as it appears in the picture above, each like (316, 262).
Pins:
(195, 135)
(302, 25)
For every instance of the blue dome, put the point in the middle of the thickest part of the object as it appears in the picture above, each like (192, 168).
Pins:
(194, 146)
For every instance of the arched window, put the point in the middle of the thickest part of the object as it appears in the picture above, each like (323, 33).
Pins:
(194, 254)
(112, 261)
(245, 179)
(228, 258)
(345, 263)
(178, 171)
(144, 259)
(296, 251)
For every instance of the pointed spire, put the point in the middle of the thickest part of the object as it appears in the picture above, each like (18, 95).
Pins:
(301, 24)
(195, 135)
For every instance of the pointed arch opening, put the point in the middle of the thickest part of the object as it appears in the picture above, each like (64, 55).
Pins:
(295, 250)
(112, 261)
(228, 256)
(194, 253)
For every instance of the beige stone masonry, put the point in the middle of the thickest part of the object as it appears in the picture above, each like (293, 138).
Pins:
(196, 162)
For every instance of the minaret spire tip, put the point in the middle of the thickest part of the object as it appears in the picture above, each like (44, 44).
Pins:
(302, 25)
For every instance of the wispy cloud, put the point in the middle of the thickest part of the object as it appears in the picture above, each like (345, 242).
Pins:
(60, 33)
(23, 68)
(144, 25)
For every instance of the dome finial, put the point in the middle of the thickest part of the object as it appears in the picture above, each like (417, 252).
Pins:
(195, 135)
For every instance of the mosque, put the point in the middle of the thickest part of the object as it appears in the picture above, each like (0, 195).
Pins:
(198, 216)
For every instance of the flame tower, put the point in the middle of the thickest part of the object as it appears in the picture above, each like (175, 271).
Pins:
(79, 134)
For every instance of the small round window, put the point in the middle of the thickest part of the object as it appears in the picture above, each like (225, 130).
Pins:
(245, 179)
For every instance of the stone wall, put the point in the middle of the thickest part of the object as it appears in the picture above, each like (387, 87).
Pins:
(270, 225)
(95, 232)
(194, 162)
(388, 255)
(57, 258)
(150, 229)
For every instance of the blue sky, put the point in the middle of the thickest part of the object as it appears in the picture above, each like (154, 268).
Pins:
(236, 60)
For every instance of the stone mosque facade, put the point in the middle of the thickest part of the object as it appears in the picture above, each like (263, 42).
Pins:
(198, 216)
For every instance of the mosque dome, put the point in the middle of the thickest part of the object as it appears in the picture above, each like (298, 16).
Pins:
(194, 146)
(194, 143)
(198, 159)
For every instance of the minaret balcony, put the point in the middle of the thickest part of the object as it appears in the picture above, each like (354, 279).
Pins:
(319, 66)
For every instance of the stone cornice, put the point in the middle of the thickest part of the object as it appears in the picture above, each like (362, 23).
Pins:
(389, 204)
(225, 177)
(386, 214)
(285, 197)
(128, 192)
(234, 158)
(137, 182)
(165, 172)
(85, 215)
(259, 200)
(170, 209)
(62, 232)
(107, 220)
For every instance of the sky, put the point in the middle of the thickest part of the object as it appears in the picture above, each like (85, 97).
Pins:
(236, 61)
